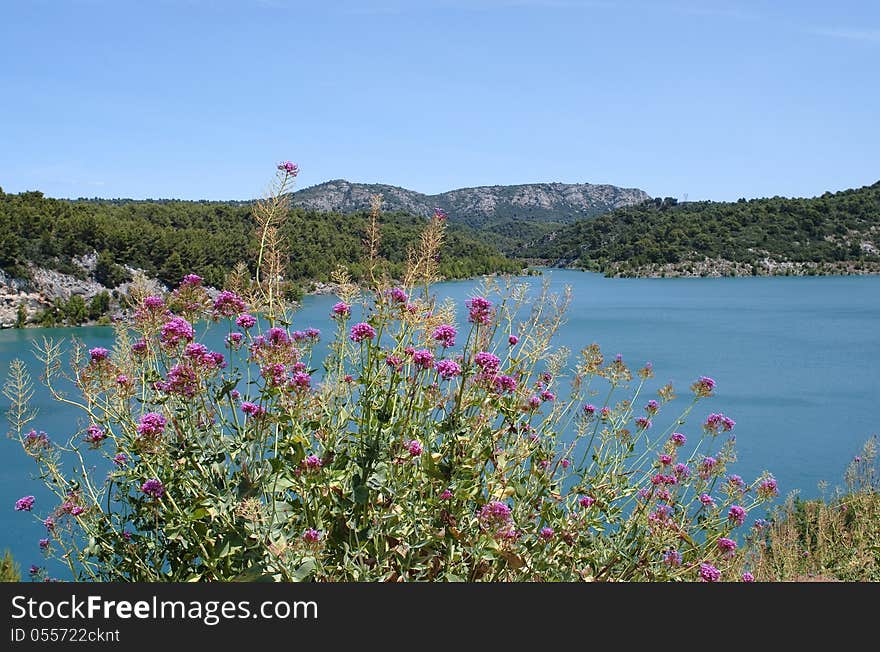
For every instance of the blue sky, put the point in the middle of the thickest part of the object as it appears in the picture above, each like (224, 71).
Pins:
(200, 98)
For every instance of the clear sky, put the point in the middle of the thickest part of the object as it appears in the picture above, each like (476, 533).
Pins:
(200, 98)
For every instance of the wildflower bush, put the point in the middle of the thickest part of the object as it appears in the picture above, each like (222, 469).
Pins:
(834, 537)
(421, 447)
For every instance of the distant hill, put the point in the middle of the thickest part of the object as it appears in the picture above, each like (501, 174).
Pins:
(169, 238)
(509, 215)
(836, 233)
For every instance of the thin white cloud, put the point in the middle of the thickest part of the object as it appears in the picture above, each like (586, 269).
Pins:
(872, 35)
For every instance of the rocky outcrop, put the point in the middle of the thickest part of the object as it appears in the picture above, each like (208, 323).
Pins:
(13, 293)
(46, 285)
(557, 202)
(720, 267)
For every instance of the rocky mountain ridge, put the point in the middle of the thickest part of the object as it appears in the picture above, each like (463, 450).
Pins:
(478, 206)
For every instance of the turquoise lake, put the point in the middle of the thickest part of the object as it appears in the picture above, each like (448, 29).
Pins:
(796, 361)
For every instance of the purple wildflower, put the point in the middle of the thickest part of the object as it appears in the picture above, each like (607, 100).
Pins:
(736, 515)
(94, 434)
(277, 336)
(153, 487)
(182, 380)
(708, 573)
(496, 518)
(504, 384)
(36, 440)
(397, 295)
(313, 334)
(341, 309)
(311, 535)
(586, 501)
(228, 304)
(718, 422)
(312, 463)
(24, 504)
(707, 466)
(672, 558)
(423, 359)
(726, 546)
(414, 447)
(361, 332)
(748, 577)
(246, 321)
(252, 409)
(678, 439)
(151, 424)
(301, 380)
(512, 340)
(479, 310)
(98, 354)
(703, 386)
(290, 169)
(546, 533)
(446, 495)
(447, 369)
(445, 334)
(768, 487)
(175, 330)
(488, 362)
(120, 459)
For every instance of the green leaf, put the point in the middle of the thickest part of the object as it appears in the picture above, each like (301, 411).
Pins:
(306, 568)
(361, 494)
(378, 477)
(255, 573)
(198, 513)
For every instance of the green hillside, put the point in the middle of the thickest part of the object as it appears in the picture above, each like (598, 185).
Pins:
(168, 238)
(834, 232)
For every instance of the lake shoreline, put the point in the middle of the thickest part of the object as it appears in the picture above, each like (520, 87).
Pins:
(722, 268)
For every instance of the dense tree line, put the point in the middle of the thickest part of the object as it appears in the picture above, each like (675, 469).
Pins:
(834, 227)
(168, 238)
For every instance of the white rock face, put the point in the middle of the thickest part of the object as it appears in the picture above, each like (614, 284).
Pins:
(474, 206)
(46, 285)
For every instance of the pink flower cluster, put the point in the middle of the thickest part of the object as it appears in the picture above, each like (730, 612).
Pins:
(448, 369)
(151, 425)
(362, 331)
(288, 168)
(176, 330)
(228, 304)
(479, 310)
(445, 334)
(716, 423)
(496, 518)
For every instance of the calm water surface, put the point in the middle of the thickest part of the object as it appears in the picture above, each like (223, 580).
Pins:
(796, 361)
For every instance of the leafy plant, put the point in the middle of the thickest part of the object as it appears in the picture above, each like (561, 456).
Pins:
(424, 446)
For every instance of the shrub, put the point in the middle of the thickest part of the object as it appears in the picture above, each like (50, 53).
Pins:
(9, 570)
(425, 448)
(831, 538)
